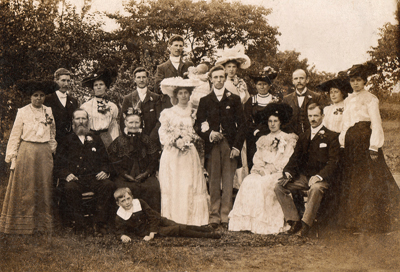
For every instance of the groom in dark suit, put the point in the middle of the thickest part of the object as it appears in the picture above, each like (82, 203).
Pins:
(311, 167)
(299, 100)
(220, 122)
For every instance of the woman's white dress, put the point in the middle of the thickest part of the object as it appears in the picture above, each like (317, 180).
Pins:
(256, 207)
(184, 197)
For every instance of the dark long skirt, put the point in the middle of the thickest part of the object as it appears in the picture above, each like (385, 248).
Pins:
(27, 204)
(370, 198)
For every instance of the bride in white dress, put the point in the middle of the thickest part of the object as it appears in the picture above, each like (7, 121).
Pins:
(256, 208)
(184, 197)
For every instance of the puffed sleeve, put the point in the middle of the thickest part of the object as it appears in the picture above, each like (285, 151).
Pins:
(258, 159)
(113, 129)
(165, 131)
(15, 137)
(52, 141)
(377, 136)
(283, 159)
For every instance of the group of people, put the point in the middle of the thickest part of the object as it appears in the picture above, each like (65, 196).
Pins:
(204, 124)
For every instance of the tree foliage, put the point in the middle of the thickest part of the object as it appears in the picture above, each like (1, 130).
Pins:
(205, 26)
(386, 56)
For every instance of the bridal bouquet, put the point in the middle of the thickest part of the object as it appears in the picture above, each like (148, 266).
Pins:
(184, 137)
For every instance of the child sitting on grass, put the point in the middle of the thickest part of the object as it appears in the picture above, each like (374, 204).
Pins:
(134, 216)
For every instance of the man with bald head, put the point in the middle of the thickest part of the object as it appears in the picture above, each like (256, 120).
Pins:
(299, 100)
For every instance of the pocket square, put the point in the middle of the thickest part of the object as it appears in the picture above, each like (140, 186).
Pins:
(151, 109)
(322, 145)
(227, 107)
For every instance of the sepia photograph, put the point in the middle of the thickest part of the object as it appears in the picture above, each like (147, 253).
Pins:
(199, 135)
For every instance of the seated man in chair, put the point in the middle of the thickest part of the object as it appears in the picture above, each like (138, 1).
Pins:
(311, 167)
(83, 166)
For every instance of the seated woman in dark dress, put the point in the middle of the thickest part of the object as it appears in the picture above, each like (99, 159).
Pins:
(135, 158)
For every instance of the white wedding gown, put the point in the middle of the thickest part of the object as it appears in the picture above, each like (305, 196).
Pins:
(256, 207)
(184, 197)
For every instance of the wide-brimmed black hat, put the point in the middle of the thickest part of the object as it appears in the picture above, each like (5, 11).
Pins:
(341, 82)
(104, 74)
(268, 74)
(362, 70)
(29, 87)
(282, 110)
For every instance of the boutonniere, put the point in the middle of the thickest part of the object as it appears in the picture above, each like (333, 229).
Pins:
(321, 133)
(228, 94)
(309, 96)
(89, 139)
(151, 98)
(227, 107)
(48, 119)
(93, 149)
(339, 111)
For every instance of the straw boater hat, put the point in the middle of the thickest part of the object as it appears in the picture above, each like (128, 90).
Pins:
(340, 82)
(168, 85)
(29, 87)
(268, 74)
(235, 53)
(282, 110)
(106, 75)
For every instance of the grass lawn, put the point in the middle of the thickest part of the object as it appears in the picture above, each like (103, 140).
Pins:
(236, 251)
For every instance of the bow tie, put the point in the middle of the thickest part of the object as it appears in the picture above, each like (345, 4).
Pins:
(300, 95)
(131, 134)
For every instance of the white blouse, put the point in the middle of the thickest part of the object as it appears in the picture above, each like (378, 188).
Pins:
(363, 106)
(333, 119)
(102, 121)
(31, 125)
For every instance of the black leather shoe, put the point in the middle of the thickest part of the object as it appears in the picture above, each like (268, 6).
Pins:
(304, 230)
(294, 228)
(214, 225)
(224, 226)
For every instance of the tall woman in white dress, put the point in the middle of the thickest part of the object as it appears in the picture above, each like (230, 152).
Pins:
(338, 89)
(103, 114)
(256, 208)
(27, 203)
(184, 197)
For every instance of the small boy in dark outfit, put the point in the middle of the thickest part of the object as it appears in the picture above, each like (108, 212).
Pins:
(134, 216)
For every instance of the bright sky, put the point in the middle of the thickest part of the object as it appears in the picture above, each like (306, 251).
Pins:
(332, 34)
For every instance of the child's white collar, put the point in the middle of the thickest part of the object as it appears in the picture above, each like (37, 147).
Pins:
(126, 214)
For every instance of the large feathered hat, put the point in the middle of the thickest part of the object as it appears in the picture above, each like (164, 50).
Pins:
(235, 53)
(282, 110)
(29, 87)
(104, 74)
(341, 82)
(362, 70)
(268, 74)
